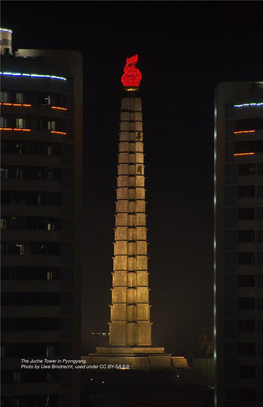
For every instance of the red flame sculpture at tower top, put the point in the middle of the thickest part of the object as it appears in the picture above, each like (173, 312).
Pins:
(132, 76)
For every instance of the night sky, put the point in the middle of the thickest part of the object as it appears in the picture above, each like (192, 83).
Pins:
(185, 49)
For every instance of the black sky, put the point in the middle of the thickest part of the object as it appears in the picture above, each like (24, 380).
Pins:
(185, 49)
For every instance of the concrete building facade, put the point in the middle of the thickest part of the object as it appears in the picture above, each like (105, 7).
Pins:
(41, 125)
(238, 244)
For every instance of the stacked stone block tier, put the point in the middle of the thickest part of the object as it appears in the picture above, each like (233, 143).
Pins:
(130, 310)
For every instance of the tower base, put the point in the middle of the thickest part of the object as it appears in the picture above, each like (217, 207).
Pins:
(133, 357)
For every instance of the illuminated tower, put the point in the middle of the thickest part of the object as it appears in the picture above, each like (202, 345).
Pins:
(130, 310)
(130, 341)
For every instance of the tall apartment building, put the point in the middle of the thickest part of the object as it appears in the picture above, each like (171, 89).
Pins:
(41, 125)
(239, 244)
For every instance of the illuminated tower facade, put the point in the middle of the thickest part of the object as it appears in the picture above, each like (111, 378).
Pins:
(130, 342)
(130, 310)
(239, 244)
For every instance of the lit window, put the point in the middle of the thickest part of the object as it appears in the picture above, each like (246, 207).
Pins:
(19, 173)
(20, 249)
(50, 350)
(50, 225)
(19, 98)
(49, 275)
(3, 223)
(50, 150)
(51, 125)
(4, 173)
(5, 97)
(20, 123)
(3, 122)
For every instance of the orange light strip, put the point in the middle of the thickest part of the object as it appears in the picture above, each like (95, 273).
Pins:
(244, 154)
(58, 132)
(59, 108)
(244, 131)
(15, 129)
(14, 104)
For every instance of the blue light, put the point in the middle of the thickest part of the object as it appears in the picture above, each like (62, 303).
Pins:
(6, 30)
(33, 75)
(249, 104)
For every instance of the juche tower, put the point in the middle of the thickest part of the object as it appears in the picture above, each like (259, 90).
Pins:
(130, 310)
(130, 339)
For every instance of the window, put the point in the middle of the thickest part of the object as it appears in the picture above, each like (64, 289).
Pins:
(30, 273)
(259, 213)
(4, 97)
(20, 249)
(20, 123)
(51, 125)
(260, 303)
(260, 326)
(246, 348)
(249, 124)
(247, 371)
(50, 351)
(4, 173)
(259, 235)
(246, 258)
(16, 402)
(260, 258)
(49, 275)
(247, 191)
(3, 122)
(19, 174)
(246, 213)
(248, 395)
(246, 236)
(260, 191)
(259, 347)
(3, 223)
(260, 168)
(50, 174)
(246, 303)
(246, 281)
(17, 377)
(260, 280)
(19, 98)
(40, 199)
(247, 169)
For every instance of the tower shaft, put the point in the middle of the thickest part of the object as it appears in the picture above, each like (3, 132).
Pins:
(130, 310)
